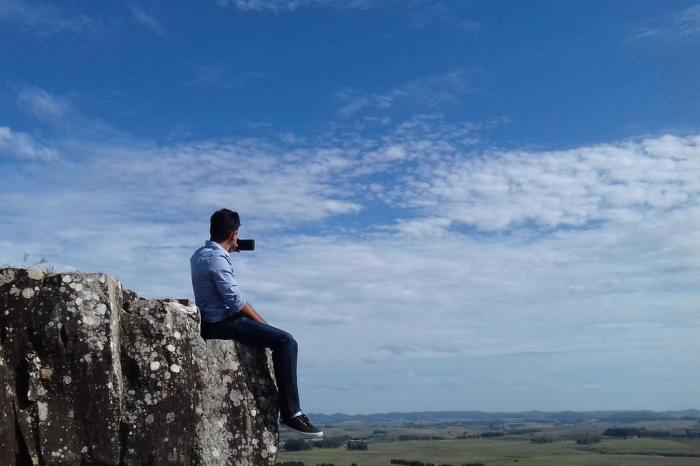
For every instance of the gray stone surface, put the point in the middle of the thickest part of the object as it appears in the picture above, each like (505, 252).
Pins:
(91, 374)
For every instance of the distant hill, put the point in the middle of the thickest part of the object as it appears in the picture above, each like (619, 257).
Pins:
(480, 417)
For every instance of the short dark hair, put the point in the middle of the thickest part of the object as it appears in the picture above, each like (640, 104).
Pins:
(223, 223)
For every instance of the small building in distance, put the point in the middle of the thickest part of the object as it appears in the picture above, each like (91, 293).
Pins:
(357, 444)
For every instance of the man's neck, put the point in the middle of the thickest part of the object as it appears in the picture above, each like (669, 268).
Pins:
(225, 245)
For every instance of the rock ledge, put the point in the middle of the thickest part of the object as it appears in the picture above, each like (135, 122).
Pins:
(91, 374)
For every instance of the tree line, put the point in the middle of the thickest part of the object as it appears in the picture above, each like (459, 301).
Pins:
(625, 432)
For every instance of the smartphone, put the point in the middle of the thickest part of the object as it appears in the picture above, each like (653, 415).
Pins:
(245, 245)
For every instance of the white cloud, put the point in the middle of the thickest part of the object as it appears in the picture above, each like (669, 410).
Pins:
(688, 22)
(399, 283)
(59, 112)
(23, 146)
(43, 19)
(681, 26)
(416, 14)
(146, 20)
(43, 105)
(618, 183)
(431, 296)
(132, 192)
(281, 6)
(427, 94)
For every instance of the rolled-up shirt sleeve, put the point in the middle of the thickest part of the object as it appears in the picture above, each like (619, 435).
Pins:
(225, 282)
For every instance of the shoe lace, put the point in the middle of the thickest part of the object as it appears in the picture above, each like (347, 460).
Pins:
(304, 419)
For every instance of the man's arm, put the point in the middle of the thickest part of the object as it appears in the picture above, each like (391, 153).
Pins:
(250, 313)
(222, 276)
(230, 292)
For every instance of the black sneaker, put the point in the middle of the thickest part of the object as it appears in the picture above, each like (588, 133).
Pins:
(303, 426)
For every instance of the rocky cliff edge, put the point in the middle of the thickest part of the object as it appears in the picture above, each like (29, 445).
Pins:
(91, 374)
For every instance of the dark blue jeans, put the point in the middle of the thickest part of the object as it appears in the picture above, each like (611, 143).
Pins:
(284, 353)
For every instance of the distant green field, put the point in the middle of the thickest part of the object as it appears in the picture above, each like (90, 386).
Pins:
(500, 452)
(646, 446)
(509, 450)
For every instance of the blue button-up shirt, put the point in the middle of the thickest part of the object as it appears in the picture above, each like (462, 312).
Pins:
(215, 289)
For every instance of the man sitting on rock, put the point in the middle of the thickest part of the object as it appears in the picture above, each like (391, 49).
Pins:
(227, 316)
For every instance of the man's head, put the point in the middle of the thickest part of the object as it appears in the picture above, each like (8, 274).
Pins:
(224, 226)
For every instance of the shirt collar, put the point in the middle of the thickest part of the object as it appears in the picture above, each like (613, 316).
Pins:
(214, 244)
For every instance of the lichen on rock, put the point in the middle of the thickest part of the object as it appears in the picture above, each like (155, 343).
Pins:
(92, 374)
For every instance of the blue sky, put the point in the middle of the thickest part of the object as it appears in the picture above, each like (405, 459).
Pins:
(457, 205)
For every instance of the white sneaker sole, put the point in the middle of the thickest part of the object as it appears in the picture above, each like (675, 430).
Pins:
(305, 434)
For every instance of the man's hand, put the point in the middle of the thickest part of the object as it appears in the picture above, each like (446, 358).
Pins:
(249, 312)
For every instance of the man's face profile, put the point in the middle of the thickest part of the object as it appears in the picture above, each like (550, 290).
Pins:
(234, 238)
